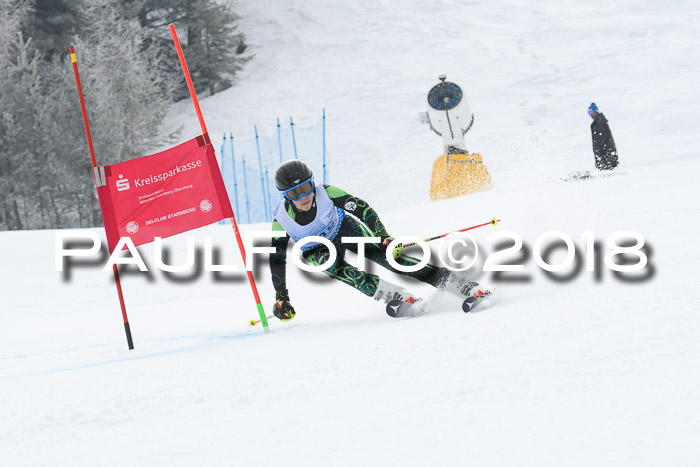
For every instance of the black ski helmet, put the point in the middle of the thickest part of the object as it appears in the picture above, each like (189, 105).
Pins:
(290, 173)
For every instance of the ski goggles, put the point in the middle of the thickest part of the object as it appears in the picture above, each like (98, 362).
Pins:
(297, 192)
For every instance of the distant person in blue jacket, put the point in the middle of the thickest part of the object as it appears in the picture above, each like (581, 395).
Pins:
(603, 143)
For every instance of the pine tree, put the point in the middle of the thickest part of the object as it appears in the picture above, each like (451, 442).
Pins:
(207, 29)
(126, 94)
(13, 80)
(51, 24)
(130, 73)
(37, 138)
(45, 176)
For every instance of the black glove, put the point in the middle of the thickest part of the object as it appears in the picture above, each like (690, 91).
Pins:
(283, 309)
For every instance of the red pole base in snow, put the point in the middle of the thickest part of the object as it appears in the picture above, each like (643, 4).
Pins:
(128, 336)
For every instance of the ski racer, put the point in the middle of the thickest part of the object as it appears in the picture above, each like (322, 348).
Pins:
(327, 211)
(603, 143)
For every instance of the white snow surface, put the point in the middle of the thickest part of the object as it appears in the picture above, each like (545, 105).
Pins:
(592, 370)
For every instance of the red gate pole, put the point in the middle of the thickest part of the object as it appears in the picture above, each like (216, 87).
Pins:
(190, 86)
(73, 59)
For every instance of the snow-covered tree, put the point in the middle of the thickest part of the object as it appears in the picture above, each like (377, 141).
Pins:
(18, 84)
(45, 176)
(51, 25)
(207, 29)
(126, 94)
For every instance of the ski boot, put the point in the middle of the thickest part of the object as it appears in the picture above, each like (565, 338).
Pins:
(471, 292)
(387, 292)
(461, 286)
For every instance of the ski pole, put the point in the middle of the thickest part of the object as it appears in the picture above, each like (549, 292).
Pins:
(493, 221)
(254, 322)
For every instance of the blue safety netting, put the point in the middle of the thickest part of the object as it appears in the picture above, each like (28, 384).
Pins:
(248, 166)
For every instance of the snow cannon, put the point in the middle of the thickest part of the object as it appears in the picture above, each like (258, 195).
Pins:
(456, 172)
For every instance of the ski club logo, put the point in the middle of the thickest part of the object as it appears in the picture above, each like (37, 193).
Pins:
(132, 227)
(350, 206)
(205, 205)
(123, 184)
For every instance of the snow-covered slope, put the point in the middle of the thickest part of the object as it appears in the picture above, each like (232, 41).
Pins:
(529, 69)
(591, 370)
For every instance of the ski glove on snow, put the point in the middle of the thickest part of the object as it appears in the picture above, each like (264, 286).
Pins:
(283, 309)
(398, 249)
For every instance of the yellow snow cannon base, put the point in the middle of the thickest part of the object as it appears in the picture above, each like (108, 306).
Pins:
(458, 175)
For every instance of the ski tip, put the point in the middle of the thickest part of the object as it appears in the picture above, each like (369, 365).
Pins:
(393, 307)
(471, 302)
(401, 308)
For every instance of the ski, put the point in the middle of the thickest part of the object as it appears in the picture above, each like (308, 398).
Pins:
(586, 175)
(401, 309)
(472, 302)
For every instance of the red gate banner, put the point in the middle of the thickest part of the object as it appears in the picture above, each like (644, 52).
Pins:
(163, 194)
